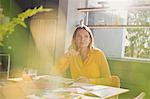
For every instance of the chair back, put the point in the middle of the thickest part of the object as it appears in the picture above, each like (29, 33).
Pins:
(140, 96)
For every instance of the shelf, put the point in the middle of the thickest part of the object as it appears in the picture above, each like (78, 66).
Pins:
(107, 8)
(134, 7)
(118, 26)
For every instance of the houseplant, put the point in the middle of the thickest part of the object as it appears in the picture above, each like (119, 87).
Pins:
(8, 28)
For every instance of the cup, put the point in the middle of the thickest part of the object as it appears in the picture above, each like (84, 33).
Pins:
(29, 72)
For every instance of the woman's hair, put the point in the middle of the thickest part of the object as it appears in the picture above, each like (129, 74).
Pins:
(73, 43)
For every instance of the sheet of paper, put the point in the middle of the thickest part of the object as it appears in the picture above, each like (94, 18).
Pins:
(99, 90)
(106, 92)
(59, 79)
(65, 90)
(15, 79)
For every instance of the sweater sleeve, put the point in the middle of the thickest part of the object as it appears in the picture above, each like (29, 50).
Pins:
(105, 75)
(60, 66)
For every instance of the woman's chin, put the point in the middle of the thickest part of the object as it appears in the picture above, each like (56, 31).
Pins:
(83, 47)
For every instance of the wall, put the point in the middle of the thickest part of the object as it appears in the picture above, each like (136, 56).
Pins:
(61, 28)
(110, 40)
(43, 28)
(73, 18)
(134, 75)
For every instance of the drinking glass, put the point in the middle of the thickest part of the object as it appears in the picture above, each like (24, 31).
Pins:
(30, 72)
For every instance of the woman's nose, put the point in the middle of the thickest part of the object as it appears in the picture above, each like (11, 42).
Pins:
(82, 38)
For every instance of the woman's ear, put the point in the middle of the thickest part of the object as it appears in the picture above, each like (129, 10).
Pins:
(90, 44)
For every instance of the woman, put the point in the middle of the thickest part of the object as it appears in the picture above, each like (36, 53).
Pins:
(86, 63)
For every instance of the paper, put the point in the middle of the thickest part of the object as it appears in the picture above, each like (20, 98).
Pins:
(105, 91)
(58, 79)
(65, 90)
(15, 79)
(98, 90)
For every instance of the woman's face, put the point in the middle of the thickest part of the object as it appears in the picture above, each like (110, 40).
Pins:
(82, 38)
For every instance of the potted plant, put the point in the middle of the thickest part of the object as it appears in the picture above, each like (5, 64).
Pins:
(9, 27)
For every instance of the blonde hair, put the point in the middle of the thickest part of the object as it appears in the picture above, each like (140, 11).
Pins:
(73, 44)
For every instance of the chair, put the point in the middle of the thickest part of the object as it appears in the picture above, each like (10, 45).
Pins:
(140, 96)
(115, 81)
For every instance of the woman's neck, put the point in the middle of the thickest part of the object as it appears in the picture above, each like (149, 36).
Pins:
(83, 50)
(84, 53)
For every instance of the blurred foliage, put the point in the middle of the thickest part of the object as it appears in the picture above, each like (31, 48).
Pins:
(1, 14)
(9, 27)
(138, 38)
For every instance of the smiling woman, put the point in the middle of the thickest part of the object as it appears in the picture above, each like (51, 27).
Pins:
(85, 62)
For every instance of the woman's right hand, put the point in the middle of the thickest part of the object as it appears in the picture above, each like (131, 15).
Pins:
(72, 52)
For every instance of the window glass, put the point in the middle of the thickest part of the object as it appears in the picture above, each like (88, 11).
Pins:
(135, 41)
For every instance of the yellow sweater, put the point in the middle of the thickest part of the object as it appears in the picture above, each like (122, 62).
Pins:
(95, 67)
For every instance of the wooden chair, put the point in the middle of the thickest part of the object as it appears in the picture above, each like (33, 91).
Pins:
(140, 96)
(115, 81)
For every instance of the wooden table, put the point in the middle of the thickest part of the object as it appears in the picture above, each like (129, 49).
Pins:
(74, 90)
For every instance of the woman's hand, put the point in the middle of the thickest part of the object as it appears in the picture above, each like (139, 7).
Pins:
(72, 52)
(82, 79)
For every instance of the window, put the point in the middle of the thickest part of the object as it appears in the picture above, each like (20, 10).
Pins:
(138, 39)
(131, 38)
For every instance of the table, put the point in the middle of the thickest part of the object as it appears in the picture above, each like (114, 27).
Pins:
(51, 86)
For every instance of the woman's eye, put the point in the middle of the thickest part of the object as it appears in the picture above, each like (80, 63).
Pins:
(86, 36)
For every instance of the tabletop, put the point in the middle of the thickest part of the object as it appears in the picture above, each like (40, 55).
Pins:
(48, 86)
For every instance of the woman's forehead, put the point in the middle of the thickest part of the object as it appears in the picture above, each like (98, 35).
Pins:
(82, 31)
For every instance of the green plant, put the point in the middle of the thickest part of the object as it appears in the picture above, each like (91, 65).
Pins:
(9, 27)
(138, 38)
